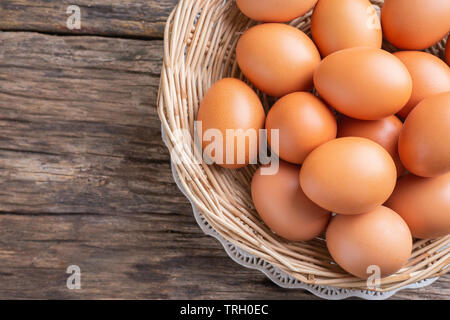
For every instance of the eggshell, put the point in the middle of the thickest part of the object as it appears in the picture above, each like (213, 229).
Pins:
(231, 104)
(304, 122)
(424, 203)
(385, 132)
(342, 24)
(275, 10)
(424, 143)
(283, 206)
(430, 76)
(348, 175)
(278, 59)
(415, 24)
(378, 238)
(364, 83)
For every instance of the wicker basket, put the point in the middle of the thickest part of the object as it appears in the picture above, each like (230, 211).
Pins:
(199, 44)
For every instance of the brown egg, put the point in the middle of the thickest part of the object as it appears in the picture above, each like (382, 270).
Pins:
(424, 143)
(415, 24)
(379, 238)
(283, 206)
(278, 59)
(385, 132)
(275, 10)
(231, 104)
(447, 51)
(304, 123)
(424, 203)
(348, 175)
(363, 83)
(342, 24)
(430, 76)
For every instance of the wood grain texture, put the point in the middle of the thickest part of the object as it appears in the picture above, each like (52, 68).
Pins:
(85, 179)
(131, 18)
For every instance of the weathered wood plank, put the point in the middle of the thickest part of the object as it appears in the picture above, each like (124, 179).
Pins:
(85, 180)
(78, 126)
(131, 18)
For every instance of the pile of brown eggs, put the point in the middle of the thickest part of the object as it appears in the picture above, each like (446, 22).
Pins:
(367, 160)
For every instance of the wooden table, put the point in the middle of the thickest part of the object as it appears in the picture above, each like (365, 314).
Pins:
(84, 176)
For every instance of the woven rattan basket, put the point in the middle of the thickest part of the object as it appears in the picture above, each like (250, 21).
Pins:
(199, 49)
